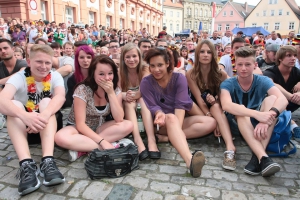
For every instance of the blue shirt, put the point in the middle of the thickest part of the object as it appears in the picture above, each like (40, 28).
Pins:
(251, 99)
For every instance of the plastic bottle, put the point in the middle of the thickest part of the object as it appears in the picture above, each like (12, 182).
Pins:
(139, 118)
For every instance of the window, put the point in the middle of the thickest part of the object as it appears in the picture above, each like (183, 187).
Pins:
(231, 13)
(164, 24)
(291, 25)
(201, 12)
(92, 18)
(270, 1)
(227, 27)
(205, 13)
(287, 13)
(272, 12)
(205, 26)
(280, 12)
(196, 12)
(253, 24)
(219, 27)
(186, 24)
(224, 13)
(189, 11)
(277, 25)
(108, 21)
(122, 23)
(171, 13)
(43, 10)
(69, 15)
(209, 14)
(237, 25)
(257, 14)
(171, 26)
(266, 26)
(196, 25)
(178, 14)
(177, 27)
(275, 1)
(190, 24)
(164, 11)
(264, 13)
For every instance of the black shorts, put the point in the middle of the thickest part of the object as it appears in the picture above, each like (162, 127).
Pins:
(33, 138)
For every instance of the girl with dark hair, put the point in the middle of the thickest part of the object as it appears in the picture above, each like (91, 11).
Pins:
(204, 82)
(166, 95)
(178, 60)
(94, 99)
(83, 58)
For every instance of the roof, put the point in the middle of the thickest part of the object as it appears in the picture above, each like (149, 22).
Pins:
(218, 2)
(240, 7)
(295, 8)
(177, 4)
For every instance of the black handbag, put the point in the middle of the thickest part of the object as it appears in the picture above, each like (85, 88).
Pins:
(112, 163)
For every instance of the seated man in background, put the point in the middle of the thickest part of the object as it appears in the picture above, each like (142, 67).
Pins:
(250, 112)
(287, 79)
(30, 113)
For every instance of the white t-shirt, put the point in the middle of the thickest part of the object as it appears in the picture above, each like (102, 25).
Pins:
(65, 32)
(32, 34)
(226, 62)
(277, 41)
(19, 81)
(226, 40)
(215, 41)
(4, 28)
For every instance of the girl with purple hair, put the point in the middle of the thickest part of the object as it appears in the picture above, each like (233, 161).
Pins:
(83, 57)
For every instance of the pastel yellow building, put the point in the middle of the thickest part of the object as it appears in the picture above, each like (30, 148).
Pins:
(281, 16)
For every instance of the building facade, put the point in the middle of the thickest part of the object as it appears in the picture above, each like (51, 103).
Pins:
(232, 15)
(196, 11)
(173, 16)
(281, 16)
(134, 14)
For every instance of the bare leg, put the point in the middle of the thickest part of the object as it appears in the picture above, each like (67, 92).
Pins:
(222, 121)
(130, 115)
(18, 135)
(148, 123)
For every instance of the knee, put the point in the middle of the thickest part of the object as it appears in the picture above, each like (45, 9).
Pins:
(44, 103)
(18, 104)
(270, 99)
(171, 118)
(127, 126)
(60, 139)
(210, 121)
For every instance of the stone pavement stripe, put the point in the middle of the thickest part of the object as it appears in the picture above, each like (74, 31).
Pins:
(9, 193)
(219, 184)
(188, 180)
(273, 190)
(53, 197)
(233, 195)
(147, 195)
(178, 197)
(4, 170)
(164, 187)
(120, 192)
(198, 191)
(78, 188)
(137, 182)
(97, 190)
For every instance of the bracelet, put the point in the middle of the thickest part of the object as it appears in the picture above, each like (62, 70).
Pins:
(207, 113)
(100, 141)
(276, 111)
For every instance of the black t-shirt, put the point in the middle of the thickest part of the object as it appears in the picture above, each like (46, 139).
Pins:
(276, 76)
(263, 64)
(3, 71)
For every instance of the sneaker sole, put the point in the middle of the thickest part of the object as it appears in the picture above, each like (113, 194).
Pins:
(55, 181)
(228, 167)
(251, 173)
(270, 170)
(198, 162)
(32, 189)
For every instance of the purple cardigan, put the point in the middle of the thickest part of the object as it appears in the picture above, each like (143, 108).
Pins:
(174, 96)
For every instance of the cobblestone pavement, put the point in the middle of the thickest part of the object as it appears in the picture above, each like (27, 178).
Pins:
(166, 178)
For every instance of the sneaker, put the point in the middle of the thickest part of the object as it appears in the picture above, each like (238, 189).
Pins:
(29, 181)
(296, 133)
(197, 163)
(268, 167)
(2, 121)
(253, 167)
(229, 162)
(50, 172)
(74, 155)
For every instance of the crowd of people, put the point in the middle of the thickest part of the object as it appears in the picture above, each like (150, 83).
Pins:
(187, 87)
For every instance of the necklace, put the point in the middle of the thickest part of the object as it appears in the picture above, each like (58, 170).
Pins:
(31, 90)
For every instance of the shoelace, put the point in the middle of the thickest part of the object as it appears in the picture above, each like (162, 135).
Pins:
(25, 168)
(49, 166)
(229, 154)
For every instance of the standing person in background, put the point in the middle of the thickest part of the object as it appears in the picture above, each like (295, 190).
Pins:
(274, 39)
(18, 36)
(72, 37)
(290, 39)
(260, 40)
(226, 39)
(59, 36)
(163, 33)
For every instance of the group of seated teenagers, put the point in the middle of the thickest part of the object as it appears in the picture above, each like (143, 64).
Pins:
(105, 97)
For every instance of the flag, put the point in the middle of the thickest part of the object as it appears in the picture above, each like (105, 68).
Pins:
(200, 27)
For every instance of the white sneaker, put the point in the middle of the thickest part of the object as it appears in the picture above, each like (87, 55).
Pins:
(2, 121)
(73, 155)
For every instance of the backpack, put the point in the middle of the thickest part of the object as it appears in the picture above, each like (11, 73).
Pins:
(281, 137)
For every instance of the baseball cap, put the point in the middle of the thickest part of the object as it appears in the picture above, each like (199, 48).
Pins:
(272, 47)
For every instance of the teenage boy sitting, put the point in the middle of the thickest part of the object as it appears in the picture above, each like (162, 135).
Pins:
(244, 97)
(30, 100)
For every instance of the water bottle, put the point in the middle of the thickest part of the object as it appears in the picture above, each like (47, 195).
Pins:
(139, 118)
